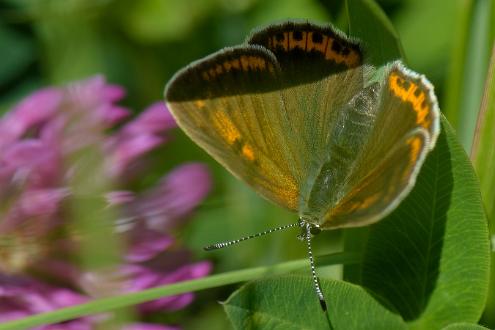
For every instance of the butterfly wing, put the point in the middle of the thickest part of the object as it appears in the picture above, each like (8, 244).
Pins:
(263, 110)
(405, 130)
(229, 103)
(321, 73)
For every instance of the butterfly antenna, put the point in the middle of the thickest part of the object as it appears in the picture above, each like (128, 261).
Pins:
(316, 280)
(217, 246)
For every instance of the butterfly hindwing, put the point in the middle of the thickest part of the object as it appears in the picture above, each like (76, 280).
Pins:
(405, 129)
(382, 189)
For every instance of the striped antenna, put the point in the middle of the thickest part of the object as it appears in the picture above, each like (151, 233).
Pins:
(316, 280)
(305, 235)
(217, 246)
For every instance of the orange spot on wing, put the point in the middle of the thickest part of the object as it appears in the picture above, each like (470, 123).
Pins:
(416, 98)
(212, 73)
(244, 63)
(227, 66)
(257, 63)
(226, 128)
(219, 69)
(369, 200)
(350, 60)
(248, 152)
(415, 143)
(353, 59)
(200, 104)
(236, 64)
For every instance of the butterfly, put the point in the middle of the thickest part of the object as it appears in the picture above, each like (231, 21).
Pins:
(295, 113)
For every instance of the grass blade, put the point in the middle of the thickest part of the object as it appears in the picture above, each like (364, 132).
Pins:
(130, 299)
(464, 98)
(483, 157)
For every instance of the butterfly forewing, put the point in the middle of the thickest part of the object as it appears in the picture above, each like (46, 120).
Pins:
(230, 104)
(405, 129)
(321, 73)
(308, 52)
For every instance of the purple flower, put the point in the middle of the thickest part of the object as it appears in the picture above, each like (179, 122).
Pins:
(23, 296)
(33, 110)
(174, 197)
(42, 148)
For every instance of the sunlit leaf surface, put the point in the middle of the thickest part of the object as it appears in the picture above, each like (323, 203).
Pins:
(289, 302)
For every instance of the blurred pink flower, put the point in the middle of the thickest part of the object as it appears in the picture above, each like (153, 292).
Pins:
(39, 139)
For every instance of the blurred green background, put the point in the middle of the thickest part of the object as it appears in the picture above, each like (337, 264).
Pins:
(141, 44)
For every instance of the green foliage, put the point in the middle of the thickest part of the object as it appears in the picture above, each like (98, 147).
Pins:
(464, 326)
(370, 24)
(483, 157)
(435, 245)
(288, 302)
(467, 74)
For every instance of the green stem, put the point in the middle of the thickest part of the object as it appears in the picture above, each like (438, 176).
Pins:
(129, 299)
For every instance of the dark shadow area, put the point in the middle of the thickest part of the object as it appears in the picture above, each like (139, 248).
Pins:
(402, 256)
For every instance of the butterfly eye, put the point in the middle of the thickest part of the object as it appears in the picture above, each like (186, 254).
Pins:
(315, 230)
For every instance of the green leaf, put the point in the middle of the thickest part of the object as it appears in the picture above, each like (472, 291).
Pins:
(369, 23)
(464, 326)
(483, 157)
(430, 257)
(289, 302)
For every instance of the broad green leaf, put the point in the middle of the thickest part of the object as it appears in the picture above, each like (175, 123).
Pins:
(483, 157)
(289, 302)
(369, 23)
(430, 257)
(464, 326)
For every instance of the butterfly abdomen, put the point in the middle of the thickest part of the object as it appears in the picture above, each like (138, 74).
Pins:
(352, 126)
